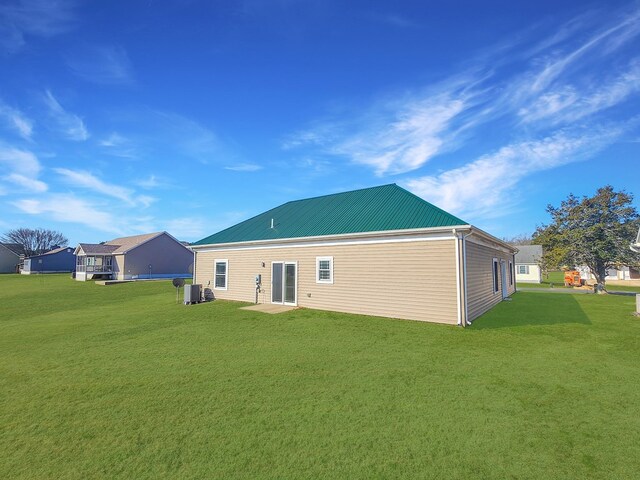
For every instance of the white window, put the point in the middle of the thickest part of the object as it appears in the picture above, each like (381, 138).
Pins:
(324, 269)
(496, 283)
(220, 268)
(523, 269)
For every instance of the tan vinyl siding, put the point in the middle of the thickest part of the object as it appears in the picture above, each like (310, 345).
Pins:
(480, 292)
(119, 267)
(410, 280)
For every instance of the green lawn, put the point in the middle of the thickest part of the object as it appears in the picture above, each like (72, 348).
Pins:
(121, 382)
(555, 278)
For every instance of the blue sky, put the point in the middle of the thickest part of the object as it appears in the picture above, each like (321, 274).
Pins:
(118, 118)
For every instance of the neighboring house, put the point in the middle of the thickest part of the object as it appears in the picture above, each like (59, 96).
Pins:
(620, 273)
(11, 257)
(528, 264)
(377, 251)
(56, 260)
(153, 255)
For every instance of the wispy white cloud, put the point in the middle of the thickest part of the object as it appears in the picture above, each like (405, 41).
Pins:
(416, 133)
(19, 161)
(585, 71)
(187, 228)
(71, 125)
(481, 188)
(119, 146)
(172, 134)
(244, 167)
(195, 228)
(72, 209)
(569, 103)
(20, 19)
(21, 169)
(541, 90)
(113, 140)
(192, 138)
(611, 38)
(402, 134)
(16, 120)
(151, 182)
(102, 64)
(86, 180)
(30, 184)
(145, 200)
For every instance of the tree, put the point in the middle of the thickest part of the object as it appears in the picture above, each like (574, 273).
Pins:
(593, 231)
(35, 241)
(522, 239)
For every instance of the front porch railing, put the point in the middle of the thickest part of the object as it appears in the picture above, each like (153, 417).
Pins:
(94, 268)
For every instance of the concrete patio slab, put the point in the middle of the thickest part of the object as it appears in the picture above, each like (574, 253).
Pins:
(269, 308)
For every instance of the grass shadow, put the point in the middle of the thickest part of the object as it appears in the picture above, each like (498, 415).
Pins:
(530, 309)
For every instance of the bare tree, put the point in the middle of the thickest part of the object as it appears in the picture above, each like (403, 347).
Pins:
(522, 239)
(35, 241)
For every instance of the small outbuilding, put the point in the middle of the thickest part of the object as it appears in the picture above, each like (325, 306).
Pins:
(377, 251)
(11, 257)
(152, 255)
(56, 260)
(528, 264)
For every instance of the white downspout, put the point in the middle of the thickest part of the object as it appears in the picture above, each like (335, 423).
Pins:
(457, 253)
(193, 280)
(464, 275)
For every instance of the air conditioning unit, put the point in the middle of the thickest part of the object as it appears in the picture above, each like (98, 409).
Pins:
(192, 293)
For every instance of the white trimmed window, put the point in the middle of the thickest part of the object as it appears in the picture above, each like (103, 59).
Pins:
(523, 269)
(496, 283)
(324, 269)
(220, 268)
(511, 273)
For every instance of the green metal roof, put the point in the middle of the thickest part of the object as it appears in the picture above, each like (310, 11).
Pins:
(383, 208)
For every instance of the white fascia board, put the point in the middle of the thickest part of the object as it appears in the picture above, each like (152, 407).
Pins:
(384, 236)
(483, 238)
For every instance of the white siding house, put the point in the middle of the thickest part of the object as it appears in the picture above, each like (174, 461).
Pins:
(528, 264)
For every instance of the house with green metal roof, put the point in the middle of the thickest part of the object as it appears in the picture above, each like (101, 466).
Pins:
(379, 251)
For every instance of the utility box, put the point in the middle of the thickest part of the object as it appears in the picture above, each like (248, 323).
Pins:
(192, 293)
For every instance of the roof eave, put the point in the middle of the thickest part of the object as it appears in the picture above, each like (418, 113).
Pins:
(342, 236)
(488, 236)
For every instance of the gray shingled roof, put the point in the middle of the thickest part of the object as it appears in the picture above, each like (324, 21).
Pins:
(16, 248)
(98, 248)
(125, 244)
(55, 250)
(528, 254)
(117, 245)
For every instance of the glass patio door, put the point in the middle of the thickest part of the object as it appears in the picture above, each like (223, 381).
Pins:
(284, 283)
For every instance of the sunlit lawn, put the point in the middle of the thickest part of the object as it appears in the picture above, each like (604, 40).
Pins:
(549, 280)
(123, 382)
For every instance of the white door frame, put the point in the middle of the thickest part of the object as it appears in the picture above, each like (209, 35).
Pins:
(284, 264)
